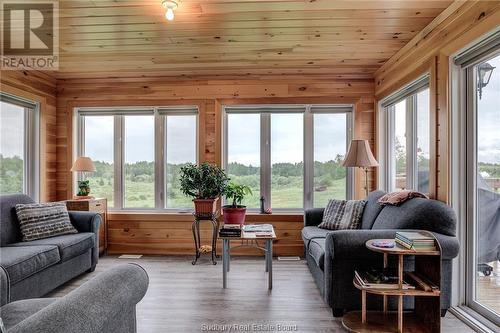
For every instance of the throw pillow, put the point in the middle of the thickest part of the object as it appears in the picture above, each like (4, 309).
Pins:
(342, 214)
(43, 220)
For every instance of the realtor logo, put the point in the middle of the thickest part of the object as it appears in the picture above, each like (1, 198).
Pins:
(30, 35)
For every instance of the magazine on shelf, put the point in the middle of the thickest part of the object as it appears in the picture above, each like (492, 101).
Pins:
(380, 279)
(258, 228)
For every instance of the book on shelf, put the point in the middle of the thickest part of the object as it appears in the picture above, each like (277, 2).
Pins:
(415, 240)
(258, 228)
(228, 230)
(422, 282)
(380, 279)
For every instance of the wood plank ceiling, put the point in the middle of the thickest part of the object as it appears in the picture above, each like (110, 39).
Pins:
(347, 39)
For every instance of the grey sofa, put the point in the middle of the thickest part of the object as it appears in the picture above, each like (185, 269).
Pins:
(332, 256)
(105, 304)
(32, 269)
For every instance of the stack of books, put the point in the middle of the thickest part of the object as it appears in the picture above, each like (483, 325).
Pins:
(380, 279)
(230, 230)
(415, 240)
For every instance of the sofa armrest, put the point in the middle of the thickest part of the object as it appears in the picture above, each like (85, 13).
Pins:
(313, 217)
(103, 304)
(350, 244)
(85, 221)
(4, 287)
(88, 222)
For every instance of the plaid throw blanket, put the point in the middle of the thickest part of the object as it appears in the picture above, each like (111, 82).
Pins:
(342, 214)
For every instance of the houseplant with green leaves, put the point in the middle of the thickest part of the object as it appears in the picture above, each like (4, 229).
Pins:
(205, 183)
(235, 212)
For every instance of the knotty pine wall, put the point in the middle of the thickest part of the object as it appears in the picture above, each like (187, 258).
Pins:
(41, 88)
(430, 51)
(154, 233)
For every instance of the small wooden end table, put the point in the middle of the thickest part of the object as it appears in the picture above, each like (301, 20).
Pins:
(248, 239)
(425, 318)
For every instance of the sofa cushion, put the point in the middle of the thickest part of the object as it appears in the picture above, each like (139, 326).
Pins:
(311, 232)
(38, 221)
(23, 261)
(372, 209)
(9, 225)
(342, 214)
(15, 312)
(317, 251)
(418, 214)
(69, 246)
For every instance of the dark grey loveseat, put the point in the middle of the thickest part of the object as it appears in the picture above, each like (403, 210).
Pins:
(104, 304)
(32, 269)
(332, 256)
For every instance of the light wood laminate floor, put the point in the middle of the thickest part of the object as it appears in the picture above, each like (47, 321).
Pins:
(186, 298)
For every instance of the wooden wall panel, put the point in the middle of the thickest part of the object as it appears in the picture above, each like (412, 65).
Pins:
(41, 88)
(170, 233)
(455, 28)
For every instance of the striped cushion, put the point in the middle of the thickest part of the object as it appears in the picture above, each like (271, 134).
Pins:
(342, 214)
(44, 220)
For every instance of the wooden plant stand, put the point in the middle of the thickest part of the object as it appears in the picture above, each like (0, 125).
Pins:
(426, 316)
(195, 226)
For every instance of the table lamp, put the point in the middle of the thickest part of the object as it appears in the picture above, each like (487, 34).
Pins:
(83, 164)
(360, 155)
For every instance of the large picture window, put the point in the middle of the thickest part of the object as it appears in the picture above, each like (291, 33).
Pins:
(18, 146)
(290, 156)
(138, 154)
(407, 134)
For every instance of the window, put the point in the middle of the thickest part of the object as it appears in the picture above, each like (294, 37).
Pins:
(18, 146)
(407, 140)
(99, 146)
(479, 72)
(138, 154)
(330, 142)
(291, 156)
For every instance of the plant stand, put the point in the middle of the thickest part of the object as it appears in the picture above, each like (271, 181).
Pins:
(195, 226)
(426, 317)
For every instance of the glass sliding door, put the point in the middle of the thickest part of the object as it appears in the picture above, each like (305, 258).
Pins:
(483, 183)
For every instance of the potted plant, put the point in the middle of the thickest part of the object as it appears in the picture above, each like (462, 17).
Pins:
(205, 183)
(235, 212)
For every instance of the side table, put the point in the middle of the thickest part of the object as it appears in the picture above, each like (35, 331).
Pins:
(248, 239)
(426, 317)
(195, 226)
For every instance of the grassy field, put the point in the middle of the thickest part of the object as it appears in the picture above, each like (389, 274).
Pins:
(141, 194)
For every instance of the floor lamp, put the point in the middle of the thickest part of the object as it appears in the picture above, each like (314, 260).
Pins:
(360, 155)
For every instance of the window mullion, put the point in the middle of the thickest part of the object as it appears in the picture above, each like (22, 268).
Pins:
(118, 161)
(410, 151)
(308, 158)
(160, 147)
(265, 158)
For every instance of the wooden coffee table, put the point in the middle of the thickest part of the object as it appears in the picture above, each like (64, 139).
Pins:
(248, 239)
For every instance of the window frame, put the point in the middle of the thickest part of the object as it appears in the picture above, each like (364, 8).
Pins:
(408, 94)
(160, 114)
(265, 111)
(31, 149)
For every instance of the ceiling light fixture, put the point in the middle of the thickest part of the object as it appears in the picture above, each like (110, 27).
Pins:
(170, 6)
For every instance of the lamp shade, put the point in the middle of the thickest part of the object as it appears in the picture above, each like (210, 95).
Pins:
(84, 164)
(360, 155)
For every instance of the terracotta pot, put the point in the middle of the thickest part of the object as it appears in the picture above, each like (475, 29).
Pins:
(205, 206)
(234, 215)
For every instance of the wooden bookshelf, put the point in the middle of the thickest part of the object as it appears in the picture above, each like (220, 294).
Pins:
(426, 317)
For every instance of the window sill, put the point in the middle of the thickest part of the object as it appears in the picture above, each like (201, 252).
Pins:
(150, 215)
